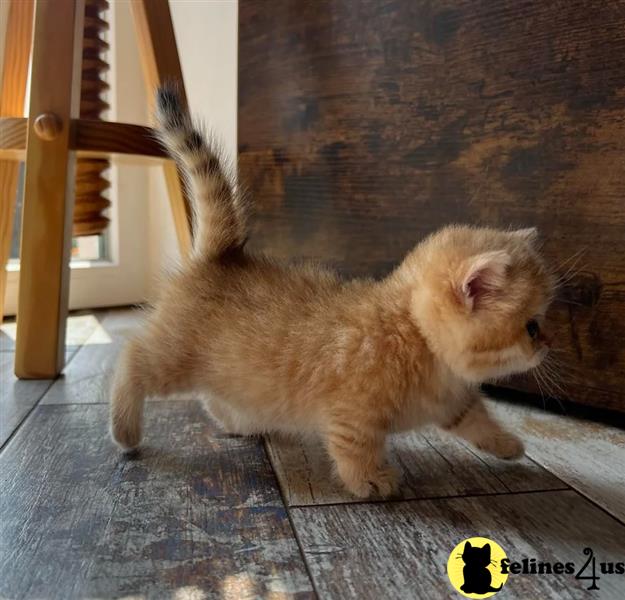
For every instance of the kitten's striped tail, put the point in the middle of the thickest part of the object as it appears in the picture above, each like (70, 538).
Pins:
(219, 213)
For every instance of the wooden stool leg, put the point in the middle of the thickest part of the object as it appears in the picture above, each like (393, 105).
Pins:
(48, 189)
(159, 56)
(12, 93)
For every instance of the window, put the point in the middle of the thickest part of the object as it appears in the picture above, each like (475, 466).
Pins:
(86, 248)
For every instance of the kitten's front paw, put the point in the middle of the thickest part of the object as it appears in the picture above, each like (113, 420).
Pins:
(383, 482)
(503, 445)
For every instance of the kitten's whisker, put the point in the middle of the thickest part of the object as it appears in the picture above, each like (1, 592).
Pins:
(554, 361)
(573, 258)
(556, 357)
(566, 301)
(550, 383)
(559, 388)
(554, 384)
(556, 367)
(563, 274)
(541, 376)
(545, 377)
(561, 405)
(563, 374)
(564, 279)
(534, 373)
(557, 371)
(565, 283)
(571, 261)
(574, 267)
(570, 267)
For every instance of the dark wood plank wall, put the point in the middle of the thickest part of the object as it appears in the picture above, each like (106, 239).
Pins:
(365, 124)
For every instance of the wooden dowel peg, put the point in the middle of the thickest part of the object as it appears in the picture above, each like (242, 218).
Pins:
(48, 126)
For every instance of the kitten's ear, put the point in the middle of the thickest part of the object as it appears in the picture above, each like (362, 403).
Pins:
(467, 546)
(482, 275)
(530, 234)
(486, 549)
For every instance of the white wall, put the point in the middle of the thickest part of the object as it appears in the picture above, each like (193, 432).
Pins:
(206, 33)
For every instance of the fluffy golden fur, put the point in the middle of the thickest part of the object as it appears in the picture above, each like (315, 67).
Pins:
(293, 348)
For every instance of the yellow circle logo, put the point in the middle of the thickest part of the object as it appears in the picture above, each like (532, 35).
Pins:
(474, 567)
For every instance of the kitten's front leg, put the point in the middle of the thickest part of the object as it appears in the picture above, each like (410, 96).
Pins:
(359, 457)
(474, 424)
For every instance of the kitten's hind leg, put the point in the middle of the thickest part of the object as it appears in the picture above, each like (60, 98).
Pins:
(474, 424)
(132, 382)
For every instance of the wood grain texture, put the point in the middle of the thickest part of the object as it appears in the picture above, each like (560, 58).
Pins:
(157, 45)
(587, 456)
(403, 547)
(100, 138)
(431, 464)
(48, 200)
(195, 515)
(365, 125)
(88, 137)
(86, 379)
(17, 42)
(13, 132)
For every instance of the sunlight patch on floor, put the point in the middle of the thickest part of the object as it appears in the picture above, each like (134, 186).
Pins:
(189, 592)
(238, 587)
(83, 330)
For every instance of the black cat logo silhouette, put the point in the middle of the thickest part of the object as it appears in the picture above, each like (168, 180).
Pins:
(474, 568)
(477, 577)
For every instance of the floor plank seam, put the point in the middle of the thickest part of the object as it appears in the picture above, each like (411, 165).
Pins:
(538, 464)
(581, 493)
(36, 404)
(567, 488)
(489, 468)
(597, 505)
(25, 417)
(287, 509)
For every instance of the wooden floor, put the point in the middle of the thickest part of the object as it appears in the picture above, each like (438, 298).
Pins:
(202, 515)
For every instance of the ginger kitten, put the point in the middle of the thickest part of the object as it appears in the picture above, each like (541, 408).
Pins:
(294, 348)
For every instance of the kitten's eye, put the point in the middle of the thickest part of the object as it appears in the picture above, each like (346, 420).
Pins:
(532, 328)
